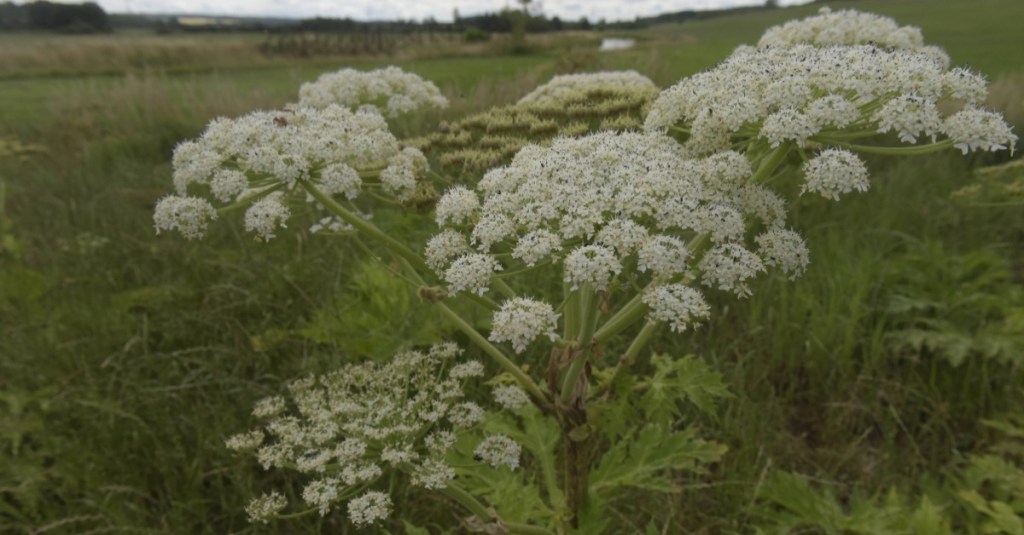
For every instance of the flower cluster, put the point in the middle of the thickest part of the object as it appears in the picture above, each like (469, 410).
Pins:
(805, 92)
(604, 206)
(844, 27)
(347, 428)
(825, 96)
(389, 90)
(260, 158)
(565, 87)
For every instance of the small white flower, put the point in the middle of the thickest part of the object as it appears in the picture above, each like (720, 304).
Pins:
(787, 124)
(974, 129)
(835, 172)
(433, 474)
(832, 110)
(498, 450)
(472, 368)
(440, 441)
(322, 494)
(471, 272)
(188, 215)
(520, 320)
(784, 249)
(623, 235)
(268, 407)
(266, 507)
(510, 396)
(466, 414)
(729, 267)
(340, 179)
(535, 245)
(663, 255)
(458, 205)
(265, 215)
(595, 264)
(228, 184)
(677, 304)
(909, 116)
(245, 441)
(369, 508)
(443, 247)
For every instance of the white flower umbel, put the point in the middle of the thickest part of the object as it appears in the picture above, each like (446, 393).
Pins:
(784, 249)
(499, 450)
(565, 85)
(595, 206)
(444, 247)
(369, 508)
(802, 92)
(350, 427)
(266, 507)
(265, 215)
(844, 27)
(457, 206)
(835, 172)
(974, 129)
(239, 160)
(389, 90)
(677, 304)
(521, 320)
(729, 267)
(471, 272)
(188, 215)
(399, 177)
(510, 396)
(248, 441)
(594, 264)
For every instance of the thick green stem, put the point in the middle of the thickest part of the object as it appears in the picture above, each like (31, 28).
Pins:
(587, 317)
(627, 358)
(626, 316)
(495, 353)
(474, 506)
(772, 161)
(250, 199)
(577, 473)
(915, 150)
(367, 228)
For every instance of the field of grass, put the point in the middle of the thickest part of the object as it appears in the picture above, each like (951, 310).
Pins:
(888, 377)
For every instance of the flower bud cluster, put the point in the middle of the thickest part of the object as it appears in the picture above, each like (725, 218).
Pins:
(566, 87)
(389, 90)
(260, 158)
(347, 428)
(606, 206)
(567, 106)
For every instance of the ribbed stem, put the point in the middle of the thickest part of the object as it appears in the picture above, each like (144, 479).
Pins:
(474, 506)
(915, 150)
(367, 228)
(495, 353)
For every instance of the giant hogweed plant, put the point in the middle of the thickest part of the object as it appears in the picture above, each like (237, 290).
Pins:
(577, 248)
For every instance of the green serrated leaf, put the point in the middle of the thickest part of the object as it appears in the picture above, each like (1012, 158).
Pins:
(676, 380)
(647, 459)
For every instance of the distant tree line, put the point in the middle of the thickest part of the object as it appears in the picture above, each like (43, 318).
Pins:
(88, 17)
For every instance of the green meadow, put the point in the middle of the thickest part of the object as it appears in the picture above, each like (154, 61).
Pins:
(880, 393)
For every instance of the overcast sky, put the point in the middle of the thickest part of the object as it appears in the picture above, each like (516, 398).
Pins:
(417, 9)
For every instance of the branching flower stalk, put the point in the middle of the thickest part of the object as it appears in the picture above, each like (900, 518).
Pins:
(579, 247)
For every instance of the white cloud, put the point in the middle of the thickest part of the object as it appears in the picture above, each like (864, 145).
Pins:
(418, 9)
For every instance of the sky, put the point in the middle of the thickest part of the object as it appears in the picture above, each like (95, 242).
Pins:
(441, 10)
